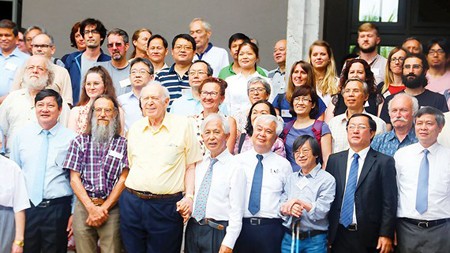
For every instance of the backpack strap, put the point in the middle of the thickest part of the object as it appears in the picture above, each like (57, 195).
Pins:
(286, 130)
(317, 130)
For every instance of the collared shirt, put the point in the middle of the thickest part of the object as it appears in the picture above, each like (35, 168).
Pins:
(13, 190)
(17, 110)
(339, 130)
(100, 166)
(362, 158)
(276, 170)
(278, 82)
(388, 143)
(120, 77)
(317, 188)
(170, 79)
(407, 163)
(8, 67)
(225, 200)
(61, 82)
(216, 57)
(236, 95)
(197, 121)
(158, 157)
(130, 105)
(187, 105)
(228, 71)
(26, 153)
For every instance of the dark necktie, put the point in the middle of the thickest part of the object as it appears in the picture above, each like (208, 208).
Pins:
(254, 203)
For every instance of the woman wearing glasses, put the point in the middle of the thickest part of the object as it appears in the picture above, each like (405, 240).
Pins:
(212, 94)
(393, 83)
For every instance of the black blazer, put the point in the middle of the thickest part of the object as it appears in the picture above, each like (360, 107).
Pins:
(375, 196)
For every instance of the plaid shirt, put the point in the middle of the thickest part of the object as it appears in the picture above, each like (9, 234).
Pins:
(100, 166)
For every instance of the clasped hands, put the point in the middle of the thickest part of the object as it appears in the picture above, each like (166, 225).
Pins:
(293, 207)
(184, 207)
(97, 215)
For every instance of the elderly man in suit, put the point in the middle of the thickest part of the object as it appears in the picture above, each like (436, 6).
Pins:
(362, 216)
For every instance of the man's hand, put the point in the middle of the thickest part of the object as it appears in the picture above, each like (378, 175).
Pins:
(225, 249)
(184, 207)
(97, 216)
(297, 210)
(69, 226)
(287, 206)
(384, 244)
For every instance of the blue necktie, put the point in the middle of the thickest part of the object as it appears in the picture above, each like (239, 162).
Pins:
(37, 192)
(254, 203)
(422, 184)
(349, 196)
(203, 192)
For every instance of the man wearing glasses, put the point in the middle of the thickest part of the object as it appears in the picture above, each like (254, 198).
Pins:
(118, 67)
(176, 78)
(438, 75)
(415, 67)
(77, 63)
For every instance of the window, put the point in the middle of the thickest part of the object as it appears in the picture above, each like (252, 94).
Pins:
(378, 11)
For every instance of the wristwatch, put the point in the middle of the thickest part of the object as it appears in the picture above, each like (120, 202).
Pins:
(19, 243)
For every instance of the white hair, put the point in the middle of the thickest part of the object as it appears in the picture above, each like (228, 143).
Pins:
(414, 102)
(165, 91)
(205, 24)
(269, 118)
(216, 116)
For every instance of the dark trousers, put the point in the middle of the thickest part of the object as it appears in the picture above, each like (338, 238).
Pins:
(150, 226)
(349, 242)
(203, 238)
(45, 227)
(263, 238)
(412, 238)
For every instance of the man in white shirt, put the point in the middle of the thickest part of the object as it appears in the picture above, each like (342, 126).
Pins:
(217, 57)
(277, 76)
(266, 174)
(218, 201)
(423, 179)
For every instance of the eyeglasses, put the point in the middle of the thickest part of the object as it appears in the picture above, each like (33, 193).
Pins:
(139, 71)
(200, 73)
(117, 44)
(259, 90)
(93, 31)
(399, 59)
(359, 127)
(413, 66)
(32, 68)
(348, 91)
(213, 94)
(439, 52)
(303, 151)
(184, 47)
(99, 110)
(41, 45)
(302, 99)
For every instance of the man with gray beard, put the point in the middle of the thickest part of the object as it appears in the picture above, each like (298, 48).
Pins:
(18, 108)
(98, 165)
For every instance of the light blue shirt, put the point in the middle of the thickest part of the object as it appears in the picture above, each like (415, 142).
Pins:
(388, 143)
(187, 105)
(130, 106)
(25, 151)
(120, 77)
(317, 188)
(8, 67)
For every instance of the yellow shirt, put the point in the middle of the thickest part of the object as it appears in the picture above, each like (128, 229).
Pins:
(158, 158)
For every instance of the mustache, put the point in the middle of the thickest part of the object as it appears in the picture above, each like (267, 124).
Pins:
(411, 74)
(399, 119)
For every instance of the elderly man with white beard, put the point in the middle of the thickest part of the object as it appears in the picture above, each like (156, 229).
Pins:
(98, 165)
(18, 108)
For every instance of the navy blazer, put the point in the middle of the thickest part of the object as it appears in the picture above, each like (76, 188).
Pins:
(375, 196)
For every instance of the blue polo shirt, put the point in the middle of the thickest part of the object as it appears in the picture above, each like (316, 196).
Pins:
(170, 79)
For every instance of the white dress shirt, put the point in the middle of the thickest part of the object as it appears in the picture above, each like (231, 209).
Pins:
(225, 199)
(362, 157)
(276, 170)
(13, 190)
(407, 163)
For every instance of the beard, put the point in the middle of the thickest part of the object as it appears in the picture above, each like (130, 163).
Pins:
(419, 81)
(369, 49)
(102, 134)
(36, 84)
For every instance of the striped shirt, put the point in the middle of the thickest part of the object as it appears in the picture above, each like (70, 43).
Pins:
(170, 79)
(100, 166)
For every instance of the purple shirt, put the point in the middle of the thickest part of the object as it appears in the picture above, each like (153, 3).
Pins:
(100, 166)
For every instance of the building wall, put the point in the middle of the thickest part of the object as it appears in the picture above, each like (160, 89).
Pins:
(264, 20)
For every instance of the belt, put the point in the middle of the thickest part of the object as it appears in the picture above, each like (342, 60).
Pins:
(50, 202)
(149, 195)
(426, 223)
(210, 222)
(352, 227)
(260, 221)
(97, 201)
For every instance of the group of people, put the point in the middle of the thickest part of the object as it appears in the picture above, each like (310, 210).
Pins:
(120, 153)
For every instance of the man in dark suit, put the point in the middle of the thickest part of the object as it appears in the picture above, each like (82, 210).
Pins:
(362, 216)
